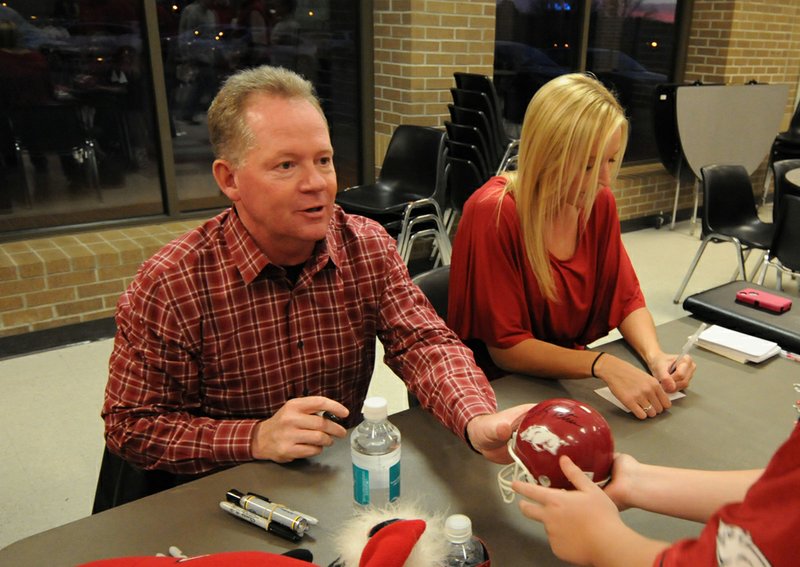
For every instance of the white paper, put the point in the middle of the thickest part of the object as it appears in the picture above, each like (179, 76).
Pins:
(751, 348)
(608, 395)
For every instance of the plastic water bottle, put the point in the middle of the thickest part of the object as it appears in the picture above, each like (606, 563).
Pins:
(464, 549)
(375, 449)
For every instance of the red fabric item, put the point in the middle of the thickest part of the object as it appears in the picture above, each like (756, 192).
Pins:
(495, 300)
(392, 545)
(761, 530)
(234, 558)
(212, 337)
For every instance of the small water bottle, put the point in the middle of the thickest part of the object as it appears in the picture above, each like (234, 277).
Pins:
(464, 550)
(375, 449)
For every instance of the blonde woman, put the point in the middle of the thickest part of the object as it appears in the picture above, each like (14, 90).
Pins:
(539, 269)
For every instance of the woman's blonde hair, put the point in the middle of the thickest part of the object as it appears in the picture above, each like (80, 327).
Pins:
(569, 121)
(229, 134)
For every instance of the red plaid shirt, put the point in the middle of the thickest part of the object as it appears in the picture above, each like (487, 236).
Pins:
(212, 337)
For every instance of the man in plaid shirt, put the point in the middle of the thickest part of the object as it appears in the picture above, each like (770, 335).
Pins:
(235, 336)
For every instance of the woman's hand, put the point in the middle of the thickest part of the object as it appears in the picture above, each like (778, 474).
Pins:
(638, 391)
(680, 376)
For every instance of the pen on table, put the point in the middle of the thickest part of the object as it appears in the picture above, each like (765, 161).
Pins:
(688, 346)
(266, 508)
(271, 526)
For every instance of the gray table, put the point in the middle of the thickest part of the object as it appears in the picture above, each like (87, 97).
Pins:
(734, 416)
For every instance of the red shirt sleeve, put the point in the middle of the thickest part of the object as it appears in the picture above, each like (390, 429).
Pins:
(495, 299)
(761, 530)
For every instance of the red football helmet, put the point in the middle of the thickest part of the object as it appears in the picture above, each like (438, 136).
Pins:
(553, 428)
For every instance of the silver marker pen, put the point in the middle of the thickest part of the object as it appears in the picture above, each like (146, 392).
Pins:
(263, 507)
(256, 520)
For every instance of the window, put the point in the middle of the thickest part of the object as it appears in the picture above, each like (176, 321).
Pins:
(77, 131)
(79, 137)
(631, 48)
(206, 40)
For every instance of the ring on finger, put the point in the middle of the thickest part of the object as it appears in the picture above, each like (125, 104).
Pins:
(648, 408)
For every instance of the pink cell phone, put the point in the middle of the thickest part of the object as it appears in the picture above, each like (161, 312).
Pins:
(764, 300)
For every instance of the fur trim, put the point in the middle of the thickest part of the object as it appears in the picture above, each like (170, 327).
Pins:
(430, 550)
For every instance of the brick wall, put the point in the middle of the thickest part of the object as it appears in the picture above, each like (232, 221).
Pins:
(418, 45)
(735, 42)
(52, 282)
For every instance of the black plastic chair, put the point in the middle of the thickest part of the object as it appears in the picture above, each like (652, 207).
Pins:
(469, 135)
(784, 252)
(468, 152)
(120, 482)
(504, 145)
(729, 215)
(785, 146)
(434, 284)
(409, 194)
(58, 129)
(782, 185)
(477, 119)
(463, 179)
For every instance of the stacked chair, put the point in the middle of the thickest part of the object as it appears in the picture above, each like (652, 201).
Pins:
(477, 143)
(785, 146)
(477, 93)
(784, 252)
(409, 195)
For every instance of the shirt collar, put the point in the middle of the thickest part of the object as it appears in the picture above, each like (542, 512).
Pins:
(251, 261)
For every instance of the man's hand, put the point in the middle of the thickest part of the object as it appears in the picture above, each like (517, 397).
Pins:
(296, 432)
(489, 434)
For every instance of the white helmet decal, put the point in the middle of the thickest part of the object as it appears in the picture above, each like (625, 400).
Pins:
(542, 439)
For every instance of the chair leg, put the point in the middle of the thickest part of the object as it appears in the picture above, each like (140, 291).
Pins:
(767, 183)
(763, 271)
(696, 203)
(693, 265)
(675, 203)
(741, 257)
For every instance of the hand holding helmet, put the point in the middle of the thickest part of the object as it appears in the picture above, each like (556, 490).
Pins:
(553, 428)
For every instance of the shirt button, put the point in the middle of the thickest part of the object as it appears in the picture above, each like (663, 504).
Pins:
(300, 344)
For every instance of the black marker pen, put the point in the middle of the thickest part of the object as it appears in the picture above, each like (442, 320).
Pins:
(274, 513)
(331, 417)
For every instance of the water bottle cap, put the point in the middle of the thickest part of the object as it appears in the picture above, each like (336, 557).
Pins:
(458, 528)
(375, 409)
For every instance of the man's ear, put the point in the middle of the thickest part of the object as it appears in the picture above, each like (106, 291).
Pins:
(225, 176)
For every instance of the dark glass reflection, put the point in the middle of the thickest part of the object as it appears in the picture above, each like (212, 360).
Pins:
(77, 138)
(526, 33)
(631, 49)
(206, 40)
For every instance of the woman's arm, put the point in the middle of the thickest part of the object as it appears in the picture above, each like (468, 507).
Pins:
(636, 389)
(639, 331)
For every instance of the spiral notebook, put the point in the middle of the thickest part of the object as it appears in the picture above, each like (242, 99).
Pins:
(737, 346)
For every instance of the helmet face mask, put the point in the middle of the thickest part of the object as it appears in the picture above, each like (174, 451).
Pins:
(553, 428)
